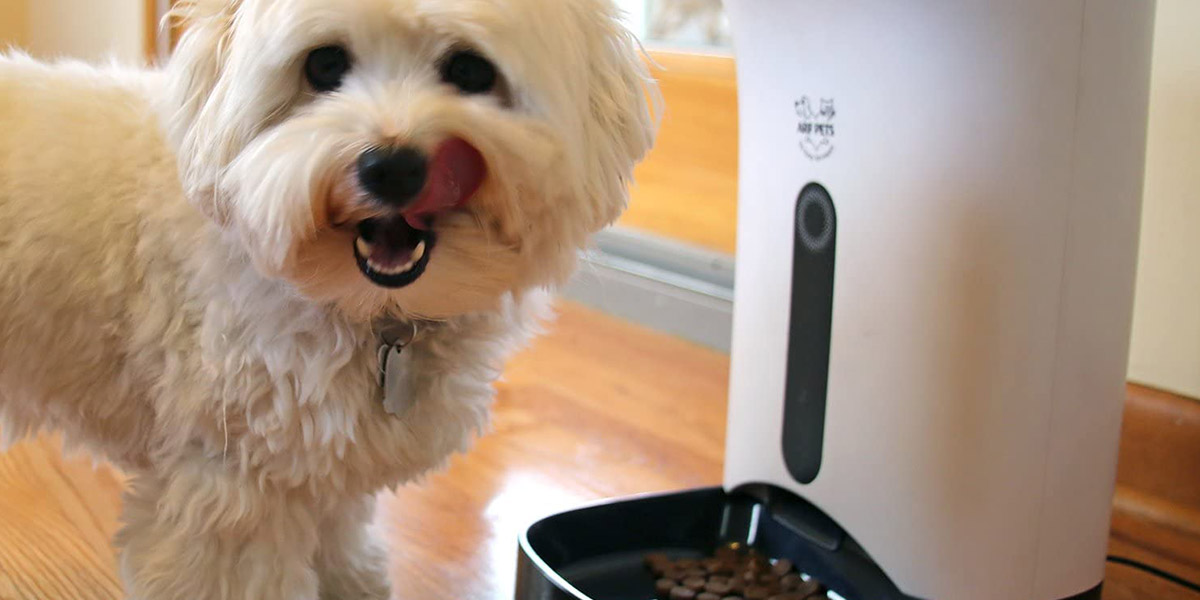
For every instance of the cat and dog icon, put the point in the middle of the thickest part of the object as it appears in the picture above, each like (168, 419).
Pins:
(816, 127)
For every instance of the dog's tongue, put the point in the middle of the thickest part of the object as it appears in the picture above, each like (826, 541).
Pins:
(454, 175)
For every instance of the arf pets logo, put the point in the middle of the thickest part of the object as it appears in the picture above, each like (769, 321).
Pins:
(816, 127)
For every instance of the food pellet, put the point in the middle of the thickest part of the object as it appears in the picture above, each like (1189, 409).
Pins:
(707, 596)
(718, 587)
(781, 567)
(757, 592)
(681, 593)
(675, 573)
(695, 583)
(663, 587)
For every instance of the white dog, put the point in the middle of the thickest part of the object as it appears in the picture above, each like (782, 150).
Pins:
(203, 268)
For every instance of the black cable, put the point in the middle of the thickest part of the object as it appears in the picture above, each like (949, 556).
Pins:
(1173, 578)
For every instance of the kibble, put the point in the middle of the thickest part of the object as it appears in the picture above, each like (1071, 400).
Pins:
(781, 567)
(733, 572)
(809, 588)
(663, 587)
(675, 573)
(791, 582)
(682, 593)
(757, 592)
(717, 586)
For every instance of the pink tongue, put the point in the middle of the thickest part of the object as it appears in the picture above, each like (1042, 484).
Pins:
(454, 175)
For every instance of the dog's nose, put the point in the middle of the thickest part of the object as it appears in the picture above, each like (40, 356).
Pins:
(393, 175)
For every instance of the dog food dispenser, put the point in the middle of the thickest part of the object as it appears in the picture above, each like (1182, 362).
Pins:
(937, 233)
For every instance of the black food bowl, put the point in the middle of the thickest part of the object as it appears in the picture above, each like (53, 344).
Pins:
(597, 552)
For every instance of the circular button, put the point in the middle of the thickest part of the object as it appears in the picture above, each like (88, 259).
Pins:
(815, 217)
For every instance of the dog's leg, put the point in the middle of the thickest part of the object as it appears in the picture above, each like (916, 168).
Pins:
(198, 533)
(350, 562)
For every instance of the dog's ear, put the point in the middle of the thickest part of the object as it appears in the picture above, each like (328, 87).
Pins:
(193, 73)
(624, 104)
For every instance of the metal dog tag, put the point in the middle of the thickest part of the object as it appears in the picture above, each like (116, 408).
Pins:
(393, 371)
(393, 368)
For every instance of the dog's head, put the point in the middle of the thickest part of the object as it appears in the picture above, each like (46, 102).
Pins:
(426, 156)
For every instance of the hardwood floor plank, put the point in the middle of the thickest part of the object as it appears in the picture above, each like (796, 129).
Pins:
(57, 517)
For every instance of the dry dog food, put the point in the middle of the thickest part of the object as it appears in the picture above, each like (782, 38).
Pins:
(732, 573)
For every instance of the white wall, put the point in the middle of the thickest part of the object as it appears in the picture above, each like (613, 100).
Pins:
(1165, 350)
(88, 29)
(635, 16)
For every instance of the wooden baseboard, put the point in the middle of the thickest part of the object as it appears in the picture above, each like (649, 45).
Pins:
(1156, 510)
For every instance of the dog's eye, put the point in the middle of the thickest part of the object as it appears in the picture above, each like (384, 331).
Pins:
(326, 66)
(469, 72)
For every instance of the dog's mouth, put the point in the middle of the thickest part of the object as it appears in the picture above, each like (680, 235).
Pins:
(392, 253)
(394, 250)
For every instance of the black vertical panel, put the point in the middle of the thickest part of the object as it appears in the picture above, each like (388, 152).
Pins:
(815, 233)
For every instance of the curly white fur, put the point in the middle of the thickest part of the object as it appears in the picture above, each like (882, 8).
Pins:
(177, 290)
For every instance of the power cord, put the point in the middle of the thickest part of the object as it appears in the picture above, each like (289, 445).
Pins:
(1141, 566)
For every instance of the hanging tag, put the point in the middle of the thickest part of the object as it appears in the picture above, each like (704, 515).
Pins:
(393, 373)
(393, 367)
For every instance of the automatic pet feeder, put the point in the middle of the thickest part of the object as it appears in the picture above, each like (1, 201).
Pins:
(938, 220)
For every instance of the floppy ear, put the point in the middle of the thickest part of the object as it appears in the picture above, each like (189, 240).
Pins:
(624, 104)
(193, 73)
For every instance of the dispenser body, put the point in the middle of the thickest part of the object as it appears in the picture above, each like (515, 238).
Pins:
(937, 233)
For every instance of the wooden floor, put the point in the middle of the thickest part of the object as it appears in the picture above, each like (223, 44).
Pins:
(686, 189)
(596, 409)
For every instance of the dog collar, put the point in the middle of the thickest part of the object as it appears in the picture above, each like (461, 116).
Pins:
(394, 337)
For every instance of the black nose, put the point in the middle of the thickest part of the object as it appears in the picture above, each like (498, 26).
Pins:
(393, 175)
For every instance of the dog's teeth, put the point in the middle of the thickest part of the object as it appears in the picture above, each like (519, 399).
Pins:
(393, 270)
(418, 253)
(364, 248)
